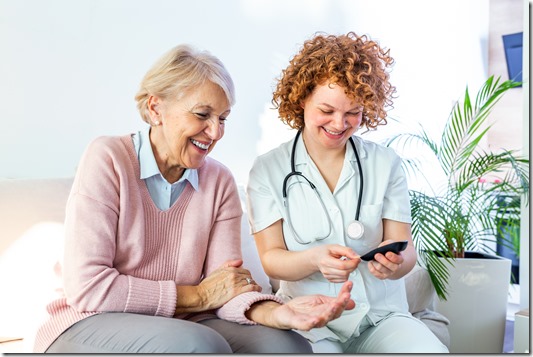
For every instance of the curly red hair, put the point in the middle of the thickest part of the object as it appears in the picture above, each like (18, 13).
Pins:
(356, 63)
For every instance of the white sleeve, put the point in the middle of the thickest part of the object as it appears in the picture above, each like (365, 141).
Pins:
(396, 204)
(263, 202)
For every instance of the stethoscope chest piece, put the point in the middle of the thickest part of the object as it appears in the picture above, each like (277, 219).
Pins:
(355, 230)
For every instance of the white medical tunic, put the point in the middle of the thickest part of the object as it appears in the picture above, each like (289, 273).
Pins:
(385, 196)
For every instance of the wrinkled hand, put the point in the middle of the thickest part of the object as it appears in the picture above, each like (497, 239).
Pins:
(307, 312)
(335, 262)
(383, 266)
(224, 284)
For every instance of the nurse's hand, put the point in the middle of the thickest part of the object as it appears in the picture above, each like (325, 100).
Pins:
(303, 312)
(385, 265)
(334, 261)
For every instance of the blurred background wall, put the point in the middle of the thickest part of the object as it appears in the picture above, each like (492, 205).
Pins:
(69, 69)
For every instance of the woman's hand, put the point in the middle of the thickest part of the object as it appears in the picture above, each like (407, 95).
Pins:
(304, 312)
(335, 262)
(385, 265)
(216, 289)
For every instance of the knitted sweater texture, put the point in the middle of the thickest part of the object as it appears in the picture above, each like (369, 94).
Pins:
(123, 254)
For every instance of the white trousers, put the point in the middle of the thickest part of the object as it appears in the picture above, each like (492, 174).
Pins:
(394, 334)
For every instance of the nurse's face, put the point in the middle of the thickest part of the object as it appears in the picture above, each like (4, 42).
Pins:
(189, 128)
(330, 117)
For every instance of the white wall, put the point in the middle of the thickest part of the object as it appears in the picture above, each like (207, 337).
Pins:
(69, 69)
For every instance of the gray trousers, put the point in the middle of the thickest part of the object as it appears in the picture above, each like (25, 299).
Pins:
(135, 333)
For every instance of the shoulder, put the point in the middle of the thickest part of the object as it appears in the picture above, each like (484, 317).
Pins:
(278, 155)
(108, 154)
(374, 150)
(110, 145)
(105, 164)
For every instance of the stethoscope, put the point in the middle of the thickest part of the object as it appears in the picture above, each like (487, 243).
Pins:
(355, 229)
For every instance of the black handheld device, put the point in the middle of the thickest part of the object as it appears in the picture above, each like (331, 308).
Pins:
(395, 247)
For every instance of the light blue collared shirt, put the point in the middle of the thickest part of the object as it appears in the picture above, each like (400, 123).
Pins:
(163, 194)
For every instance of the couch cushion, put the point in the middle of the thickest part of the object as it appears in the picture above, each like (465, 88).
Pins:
(250, 256)
(29, 276)
(27, 202)
(420, 291)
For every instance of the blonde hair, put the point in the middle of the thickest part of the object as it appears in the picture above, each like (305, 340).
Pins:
(180, 69)
(356, 63)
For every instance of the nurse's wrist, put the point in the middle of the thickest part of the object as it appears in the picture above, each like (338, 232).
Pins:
(315, 256)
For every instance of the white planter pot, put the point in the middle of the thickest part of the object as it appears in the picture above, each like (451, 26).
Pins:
(477, 303)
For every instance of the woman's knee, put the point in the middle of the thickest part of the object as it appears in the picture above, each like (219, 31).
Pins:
(134, 333)
(194, 338)
(259, 339)
(272, 340)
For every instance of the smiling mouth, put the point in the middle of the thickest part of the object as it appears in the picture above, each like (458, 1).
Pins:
(334, 132)
(199, 144)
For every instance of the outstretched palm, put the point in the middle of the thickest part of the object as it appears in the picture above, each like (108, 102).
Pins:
(307, 312)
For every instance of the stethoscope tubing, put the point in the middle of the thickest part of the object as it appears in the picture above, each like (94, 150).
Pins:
(360, 198)
(298, 173)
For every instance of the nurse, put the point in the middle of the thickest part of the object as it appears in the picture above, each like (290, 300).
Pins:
(319, 201)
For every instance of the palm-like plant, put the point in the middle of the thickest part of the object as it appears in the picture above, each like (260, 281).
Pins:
(467, 213)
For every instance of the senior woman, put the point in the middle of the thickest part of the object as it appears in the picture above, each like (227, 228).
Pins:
(152, 259)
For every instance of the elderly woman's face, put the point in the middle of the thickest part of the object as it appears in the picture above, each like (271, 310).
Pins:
(190, 127)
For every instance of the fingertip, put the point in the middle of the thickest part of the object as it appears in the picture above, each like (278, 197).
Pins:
(351, 254)
(350, 305)
(314, 323)
(348, 285)
(348, 299)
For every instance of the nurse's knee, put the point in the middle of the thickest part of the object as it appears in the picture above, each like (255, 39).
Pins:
(431, 345)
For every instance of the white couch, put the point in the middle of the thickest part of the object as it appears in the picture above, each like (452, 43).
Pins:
(31, 229)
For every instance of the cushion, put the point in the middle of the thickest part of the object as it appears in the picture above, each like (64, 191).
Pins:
(29, 275)
(419, 289)
(250, 256)
(27, 202)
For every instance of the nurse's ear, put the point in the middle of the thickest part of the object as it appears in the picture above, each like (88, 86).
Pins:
(154, 109)
(302, 105)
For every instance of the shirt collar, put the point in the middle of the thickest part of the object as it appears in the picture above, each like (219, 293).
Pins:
(359, 146)
(302, 157)
(300, 154)
(149, 165)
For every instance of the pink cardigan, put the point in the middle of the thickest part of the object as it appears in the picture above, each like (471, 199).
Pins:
(123, 254)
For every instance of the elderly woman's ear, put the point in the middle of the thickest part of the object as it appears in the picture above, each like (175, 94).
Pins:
(154, 109)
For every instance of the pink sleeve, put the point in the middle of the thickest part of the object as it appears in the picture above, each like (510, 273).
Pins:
(91, 281)
(225, 234)
(234, 309)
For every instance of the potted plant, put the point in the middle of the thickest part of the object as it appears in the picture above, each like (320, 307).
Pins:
(508, 242)
(463, 218)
